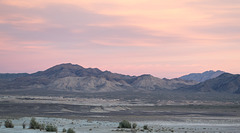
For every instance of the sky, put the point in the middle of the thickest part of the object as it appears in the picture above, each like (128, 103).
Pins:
(165, 38)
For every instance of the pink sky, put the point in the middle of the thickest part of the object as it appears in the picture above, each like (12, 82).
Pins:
(165, 38)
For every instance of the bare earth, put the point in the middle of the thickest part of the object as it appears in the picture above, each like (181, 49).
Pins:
(193, 125)
(99, 115)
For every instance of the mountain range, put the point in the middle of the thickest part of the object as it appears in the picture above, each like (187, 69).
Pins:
(201, 77)
(226, 82)
(69, 77)
(75, 78)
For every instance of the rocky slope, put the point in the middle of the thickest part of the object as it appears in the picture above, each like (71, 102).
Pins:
(226, 82)
(69, 77)
(201, 77)
(12, 76)
(149, 82)
(75, 78)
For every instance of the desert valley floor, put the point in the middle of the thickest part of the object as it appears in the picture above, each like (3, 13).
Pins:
(103, 115)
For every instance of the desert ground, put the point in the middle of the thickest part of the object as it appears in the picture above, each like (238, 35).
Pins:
(100, 115)
(187, 125)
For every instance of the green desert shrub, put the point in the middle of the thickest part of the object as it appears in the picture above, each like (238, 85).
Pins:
(64, 130)
(145, 127)
(51, 128)
(34, 124)
(134, 125)
(9, 124)
(70, 130)
(24, 125)
(42, 127)
(124, 124)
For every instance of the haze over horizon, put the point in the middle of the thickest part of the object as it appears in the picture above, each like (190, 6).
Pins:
(162, 38)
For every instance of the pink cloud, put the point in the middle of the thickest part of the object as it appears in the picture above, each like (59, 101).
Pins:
(164, 38)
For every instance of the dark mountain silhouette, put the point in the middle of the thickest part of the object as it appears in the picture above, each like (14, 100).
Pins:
(69, 77)
(226, 82)
(201, 77)
(12, 76)
(152, 83)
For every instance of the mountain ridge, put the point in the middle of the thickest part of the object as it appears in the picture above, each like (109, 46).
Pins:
(201, 77)
(226, 82)
(75, 78)
(68, 77)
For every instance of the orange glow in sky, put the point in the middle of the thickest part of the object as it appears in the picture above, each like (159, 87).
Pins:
(163, 38)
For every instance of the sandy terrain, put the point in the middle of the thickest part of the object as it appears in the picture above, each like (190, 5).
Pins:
(98, 115)
(193, 125)
(102, 101)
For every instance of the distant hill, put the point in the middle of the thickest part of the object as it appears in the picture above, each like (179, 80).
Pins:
(11, 76)
(201, 77)
(149, 82)
(69, 77)
(228, 83)
(75, 78)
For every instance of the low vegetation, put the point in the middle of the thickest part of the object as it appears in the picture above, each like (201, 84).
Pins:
(145, 127)
(70, 130)
(51, 128)
(64, 130)
(24, 125)
(34, 124)
(134, 125)
(42, 127)
(9, 124)
(124, 124)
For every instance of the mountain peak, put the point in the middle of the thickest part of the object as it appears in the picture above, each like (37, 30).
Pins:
(66, 66)
(201, 77)
(71, 77)
(226, 82)
(146, 75)
(61, 70)
(212, 72)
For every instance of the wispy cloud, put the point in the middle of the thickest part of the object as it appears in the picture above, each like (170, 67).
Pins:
(164, 38)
